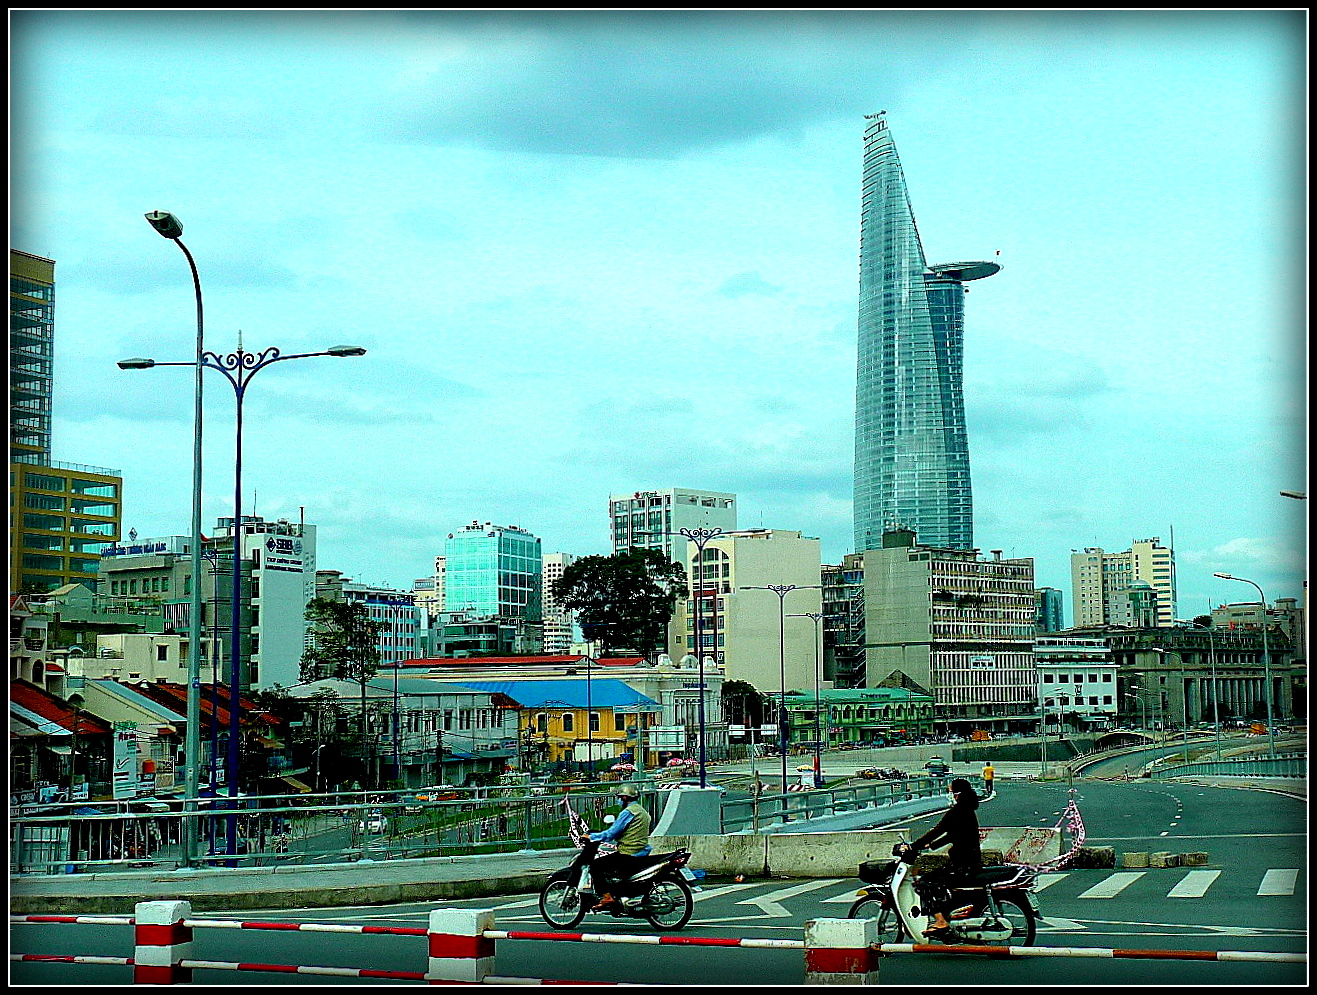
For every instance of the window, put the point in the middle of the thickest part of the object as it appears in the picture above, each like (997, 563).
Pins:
(567, 722)
(162, 653)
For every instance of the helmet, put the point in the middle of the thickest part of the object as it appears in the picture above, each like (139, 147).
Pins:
(628, 791)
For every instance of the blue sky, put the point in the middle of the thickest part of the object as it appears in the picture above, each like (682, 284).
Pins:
(590, 253)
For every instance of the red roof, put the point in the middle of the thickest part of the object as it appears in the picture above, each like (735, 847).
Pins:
(562, 660)
(174, 697)
(53, 709)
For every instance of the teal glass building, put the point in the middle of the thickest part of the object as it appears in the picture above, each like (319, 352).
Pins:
(495, 570)
(911, 448)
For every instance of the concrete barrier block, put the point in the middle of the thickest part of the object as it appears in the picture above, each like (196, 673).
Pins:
(738, 854)
(1164, 859)
(1094, 858)
(828, 855)
(1134, 859)
(840, 952)
(1195, 859)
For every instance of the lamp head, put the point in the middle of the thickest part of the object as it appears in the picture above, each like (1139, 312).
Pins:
(345, 350)
(1224, 576)
(136, 363)
(166, 224)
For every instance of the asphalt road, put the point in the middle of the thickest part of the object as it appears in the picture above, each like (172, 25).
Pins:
(1250, 896)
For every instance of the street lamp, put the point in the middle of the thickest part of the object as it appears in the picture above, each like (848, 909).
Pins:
(171, 228)
(701, 537)
(238, 368)
(1216, 690)
(1184, 697)
(818, 652)
(1266, 660)
(782, 590)
(74, 701)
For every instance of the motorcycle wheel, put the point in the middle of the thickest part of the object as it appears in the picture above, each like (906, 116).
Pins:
(1024, 923)
(669, 904)
(561, 905)
(890, 928)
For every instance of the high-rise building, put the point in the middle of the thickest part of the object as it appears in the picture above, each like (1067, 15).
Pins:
(911, 448)
(494, 570)
(952, 624)
(559, 622)
(61, 514)
(654, 519)
(1113, 588)
(396, 611)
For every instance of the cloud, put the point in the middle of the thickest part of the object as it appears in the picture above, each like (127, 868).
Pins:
(747, 283)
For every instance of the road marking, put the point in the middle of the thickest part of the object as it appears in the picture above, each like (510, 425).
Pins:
(1047, 880)
(849, 895)
(724, 890)
(1279, 881)
(1112, 886)
(770, 904)
(1194, 884)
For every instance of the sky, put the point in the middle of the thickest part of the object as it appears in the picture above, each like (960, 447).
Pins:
(590, 253)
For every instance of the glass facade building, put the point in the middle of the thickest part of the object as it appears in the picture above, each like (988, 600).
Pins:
(911, 448)
(495, 570)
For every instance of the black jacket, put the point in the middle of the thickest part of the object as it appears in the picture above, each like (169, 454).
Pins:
(958, 826)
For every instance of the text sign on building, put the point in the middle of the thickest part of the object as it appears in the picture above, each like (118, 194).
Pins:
(283, 553)
(982, 662)
(123, 777)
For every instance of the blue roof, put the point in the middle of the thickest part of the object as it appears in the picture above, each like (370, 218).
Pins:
(604, 693)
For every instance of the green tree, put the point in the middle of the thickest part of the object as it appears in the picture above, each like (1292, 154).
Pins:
(345, 646)
(625, 599)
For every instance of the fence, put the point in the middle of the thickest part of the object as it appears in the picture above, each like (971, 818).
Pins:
(1281, 765)
(742, 813)
(462, 947)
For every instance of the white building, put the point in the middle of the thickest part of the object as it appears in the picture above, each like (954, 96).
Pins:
(559, 622)
(746, 628)
(395, 610)
(1076, 682)
(1108, 587)
(645, 518)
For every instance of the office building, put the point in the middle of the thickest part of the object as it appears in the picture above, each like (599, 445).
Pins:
(954, 625)
(1134, 588)
(750, 634)
(654, 519)
(559, 622)
(911, 449)
(1076, 683)
(1050, 609)
(395, 611)
(61, 515)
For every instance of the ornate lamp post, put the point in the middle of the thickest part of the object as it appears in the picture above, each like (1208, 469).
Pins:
(238, 368)
(1266, 661)
(782, 590)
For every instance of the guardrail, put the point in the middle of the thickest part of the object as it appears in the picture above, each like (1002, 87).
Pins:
(1281, 765)
(748, 813)
(462, 947)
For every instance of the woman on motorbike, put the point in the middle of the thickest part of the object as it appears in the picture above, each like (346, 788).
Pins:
(958, 826)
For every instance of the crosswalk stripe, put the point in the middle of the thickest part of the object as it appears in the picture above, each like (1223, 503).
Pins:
(1047, 880)
(1113, 885)
(1279, 881)
(1194, 884)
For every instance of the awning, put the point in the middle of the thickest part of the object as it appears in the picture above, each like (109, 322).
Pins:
(59, 748)
(296, 785)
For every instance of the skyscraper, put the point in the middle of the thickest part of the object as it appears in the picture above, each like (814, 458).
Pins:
(911, 448)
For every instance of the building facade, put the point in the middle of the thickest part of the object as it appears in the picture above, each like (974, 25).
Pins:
(559, 622)
(1077, 684)
(396, 611)
(843, 622)
(953, 625)
(655, 519)
(1113, 588)
(494, 570)
(745, 629)
(31, 355)
(911, 447)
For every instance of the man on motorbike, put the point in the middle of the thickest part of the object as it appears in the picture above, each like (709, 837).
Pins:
(959, 826)
(630, 831)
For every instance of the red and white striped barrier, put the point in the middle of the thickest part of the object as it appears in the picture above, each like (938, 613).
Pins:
(648, 939)
(1099, 953)
(459, 949)
(841, 952)
(161, 940)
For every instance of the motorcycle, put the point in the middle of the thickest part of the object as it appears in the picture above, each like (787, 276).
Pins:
(993, 907)
(657, 891)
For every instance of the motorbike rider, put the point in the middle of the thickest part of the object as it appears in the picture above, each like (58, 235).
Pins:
(630, 831)
(958, 826)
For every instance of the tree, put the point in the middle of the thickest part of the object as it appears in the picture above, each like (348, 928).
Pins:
(625, 599)
(345, 646)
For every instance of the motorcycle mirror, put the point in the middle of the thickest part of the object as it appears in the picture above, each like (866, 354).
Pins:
(609, 819)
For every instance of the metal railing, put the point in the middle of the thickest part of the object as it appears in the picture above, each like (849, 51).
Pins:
(1281, 765)
(745, 813)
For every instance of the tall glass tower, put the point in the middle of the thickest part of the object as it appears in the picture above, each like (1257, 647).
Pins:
(911, 448)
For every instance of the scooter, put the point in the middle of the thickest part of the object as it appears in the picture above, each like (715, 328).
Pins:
(994, 907)
(657, 891)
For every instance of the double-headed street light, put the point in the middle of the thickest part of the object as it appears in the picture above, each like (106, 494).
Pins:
(238, 368)
(171, 228)
(818, 661)
(1266, 660)
(1184, 696)
(701, 537)
(782, 590)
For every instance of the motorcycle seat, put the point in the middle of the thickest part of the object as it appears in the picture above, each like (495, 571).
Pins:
(994, 874)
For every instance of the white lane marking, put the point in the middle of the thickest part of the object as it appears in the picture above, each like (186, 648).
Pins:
(1047, 880)
(1113, 885)
(1279, 881)
(1194, 884)
(770, 904)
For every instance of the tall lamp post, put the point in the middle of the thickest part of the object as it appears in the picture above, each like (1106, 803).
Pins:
(1266, 660)
(1184, 697)
(701, 538)
(1216, 691)
(74, 701)
(782, 590)
(171, 228)
(238, 368)
(818, 660)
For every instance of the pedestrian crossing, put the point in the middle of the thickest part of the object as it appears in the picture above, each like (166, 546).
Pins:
(1276, 882)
